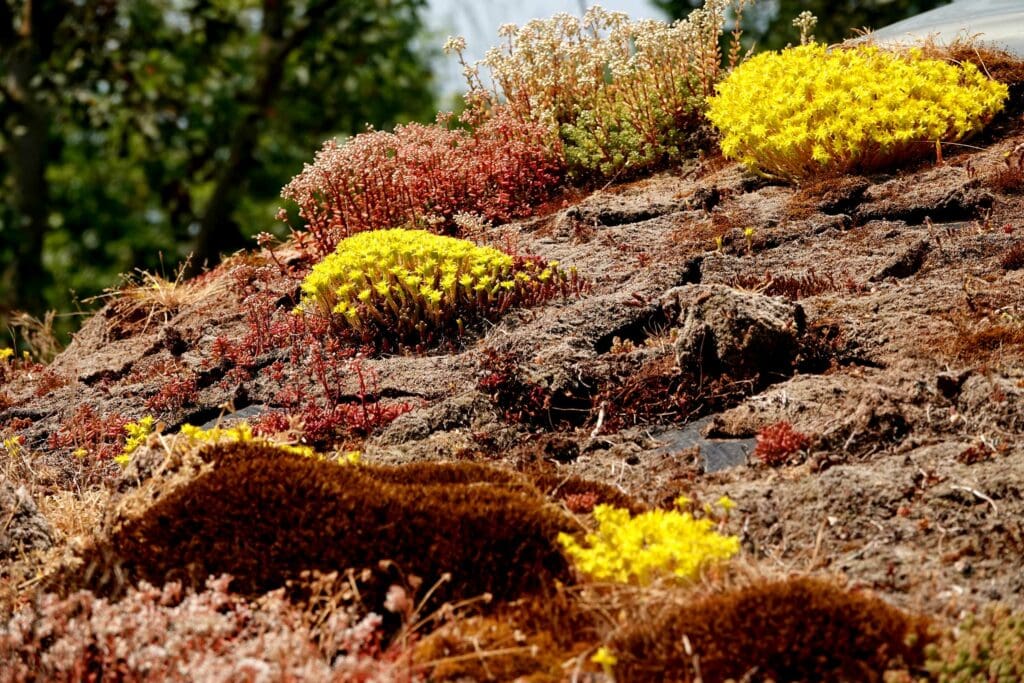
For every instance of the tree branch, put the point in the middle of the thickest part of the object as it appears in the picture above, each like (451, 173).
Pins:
(7, 35)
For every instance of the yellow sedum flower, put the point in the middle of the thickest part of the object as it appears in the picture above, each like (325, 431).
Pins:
(13, 446)
(422, 284)
(5, 354)
(606, 659)
(809, 110)
(637, 549)
(240, 432)
(136, 434)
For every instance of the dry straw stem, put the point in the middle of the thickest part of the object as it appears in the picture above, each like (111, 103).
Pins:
(36, 335)
(75, 514)
(148, 298)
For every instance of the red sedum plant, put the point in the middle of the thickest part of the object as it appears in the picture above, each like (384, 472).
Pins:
(776, 443)
(423, 175)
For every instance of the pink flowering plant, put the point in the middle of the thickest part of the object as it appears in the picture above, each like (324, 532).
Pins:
(423, 176)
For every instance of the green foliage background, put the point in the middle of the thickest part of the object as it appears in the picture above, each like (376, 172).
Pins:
(135, 132)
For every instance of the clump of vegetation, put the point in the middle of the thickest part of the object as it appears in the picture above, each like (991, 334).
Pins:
(798, 286)
(844, 110)
(794, 630)
(988, 648)
(175, 394)
(423, 176)
(90, 434)
(265, 515)
(208, 635)
(623, 95)
(413, 288)
(1013, 257)
(136, 434)
(190, 437)
(778, 442)
(637, 549)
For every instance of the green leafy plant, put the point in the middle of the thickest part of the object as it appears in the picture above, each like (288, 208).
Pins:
(844, 110)
(637, 549)
(989, 648)
(412, 287)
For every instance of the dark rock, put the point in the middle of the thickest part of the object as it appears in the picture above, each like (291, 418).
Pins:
(715, 454)
(726, 330)
(22, 526)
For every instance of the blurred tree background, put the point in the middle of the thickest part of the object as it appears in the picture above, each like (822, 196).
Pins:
(136, 132)
(768, 24)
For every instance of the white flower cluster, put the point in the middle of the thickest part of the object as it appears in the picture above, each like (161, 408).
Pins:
(622, 94)
(552, 69)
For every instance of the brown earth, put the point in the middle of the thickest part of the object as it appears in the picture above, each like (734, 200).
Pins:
(882, 317)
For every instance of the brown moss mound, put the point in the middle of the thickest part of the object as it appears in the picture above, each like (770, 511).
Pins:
(265, 516)
(796, 630)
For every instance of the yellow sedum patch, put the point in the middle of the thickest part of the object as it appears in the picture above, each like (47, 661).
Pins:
(6, 354)
(240, 432)
(637, 549)
(809, 109)
(136, 434)
(411, 286)
(13, 446)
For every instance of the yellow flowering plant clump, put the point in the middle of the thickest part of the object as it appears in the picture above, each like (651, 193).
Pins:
(638, 549)
(136, 434)
(412, 288)
(190, 436)
(809, 109)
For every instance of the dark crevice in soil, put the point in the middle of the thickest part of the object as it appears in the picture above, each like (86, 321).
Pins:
(204, 416)
(844, 196)
(958, 206)
(390, 393)
(107, 376)
(570, 409)
(208, 378)
(906, 263)
(649, 323)
(692, 272)
(17, 413)
(612, 218)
